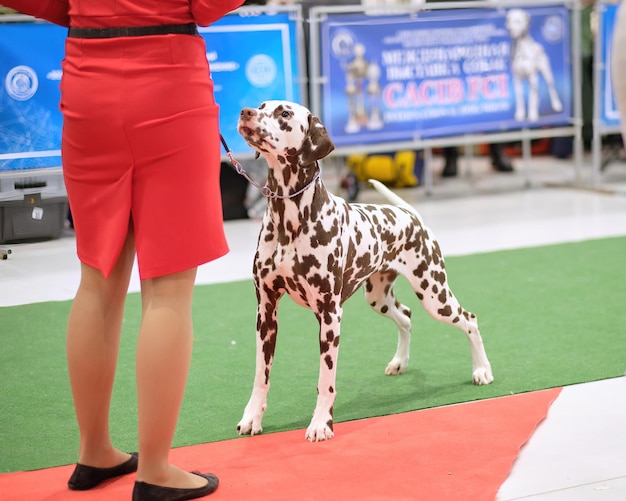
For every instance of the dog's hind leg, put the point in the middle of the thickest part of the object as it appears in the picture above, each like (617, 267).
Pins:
(267, 329)
(438, 300)
(380, 296)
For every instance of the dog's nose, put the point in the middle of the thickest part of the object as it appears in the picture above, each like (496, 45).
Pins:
(247, 113)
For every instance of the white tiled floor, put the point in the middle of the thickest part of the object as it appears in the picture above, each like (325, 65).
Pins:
(579, 452)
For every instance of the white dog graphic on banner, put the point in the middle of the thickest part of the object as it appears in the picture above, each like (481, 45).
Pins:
(528, 60)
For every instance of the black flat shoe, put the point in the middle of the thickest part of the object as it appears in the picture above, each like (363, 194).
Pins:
(149, 492)
(87, 477)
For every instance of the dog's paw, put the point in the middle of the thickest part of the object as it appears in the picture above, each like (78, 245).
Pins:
(250, 423)
(318, 432)
(396, 367)
(482, 375)
(249, 427)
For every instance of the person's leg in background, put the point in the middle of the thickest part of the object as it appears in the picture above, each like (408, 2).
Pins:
(451, 156)
(618, 64)
(499, 160)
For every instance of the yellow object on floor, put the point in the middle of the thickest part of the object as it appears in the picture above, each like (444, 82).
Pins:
(394, 170)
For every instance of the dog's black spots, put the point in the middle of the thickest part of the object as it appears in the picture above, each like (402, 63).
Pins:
(456, 320)
(266, 324)
(306, 263)
(327, 311)
(446, 311)
(329, 361)
(267, 375)
(324, 347)
(284, 125)
(321, 283)
(278, 284)
(333, 265)
(364, 264)
(293, 156)
(358, 237)
(269, 346)
(317, 205)
(291, 283)
(437, 256)
(421, 269)
(373, 304)
(286, 172)
(419, 295)
(424, 285)
(323, 237)
(390, 215)
(443, 296)
(384, 309)
(435, 289)
(439, 276)
(406, 312)
(331, 390)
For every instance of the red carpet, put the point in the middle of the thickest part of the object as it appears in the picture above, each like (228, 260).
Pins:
(460, 452)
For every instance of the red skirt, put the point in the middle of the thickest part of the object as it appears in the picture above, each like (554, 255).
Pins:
(141, 148)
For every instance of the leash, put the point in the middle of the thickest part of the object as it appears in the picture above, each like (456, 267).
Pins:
(265, 189)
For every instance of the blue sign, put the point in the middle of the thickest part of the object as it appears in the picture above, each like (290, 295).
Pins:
(444, 72)
(609, 114)
(253, 59)
(30, 72)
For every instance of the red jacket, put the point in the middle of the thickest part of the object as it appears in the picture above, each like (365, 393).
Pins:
(124, 13)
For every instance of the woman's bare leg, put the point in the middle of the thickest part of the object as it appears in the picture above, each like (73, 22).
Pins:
(93, 337)
(163, 359)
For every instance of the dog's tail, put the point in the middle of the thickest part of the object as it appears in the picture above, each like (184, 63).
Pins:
(391, 196)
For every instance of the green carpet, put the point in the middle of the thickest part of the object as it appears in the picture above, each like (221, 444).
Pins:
(550, 316)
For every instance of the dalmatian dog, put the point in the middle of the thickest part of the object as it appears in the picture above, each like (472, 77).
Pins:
(319, 250)
(528, 61)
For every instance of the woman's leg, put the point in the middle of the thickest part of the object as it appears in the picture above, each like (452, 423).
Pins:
(93, 336)
(163, 359)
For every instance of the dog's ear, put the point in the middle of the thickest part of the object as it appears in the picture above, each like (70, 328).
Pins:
(318, 143)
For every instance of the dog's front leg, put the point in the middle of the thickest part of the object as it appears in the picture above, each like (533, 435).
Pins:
(321, 427)
(267, 329)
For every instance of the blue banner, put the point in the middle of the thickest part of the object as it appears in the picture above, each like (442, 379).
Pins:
(253, 59)
(444, 73)
(30, 72)
(609, 114)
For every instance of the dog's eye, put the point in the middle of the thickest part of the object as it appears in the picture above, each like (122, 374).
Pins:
(285, 114)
